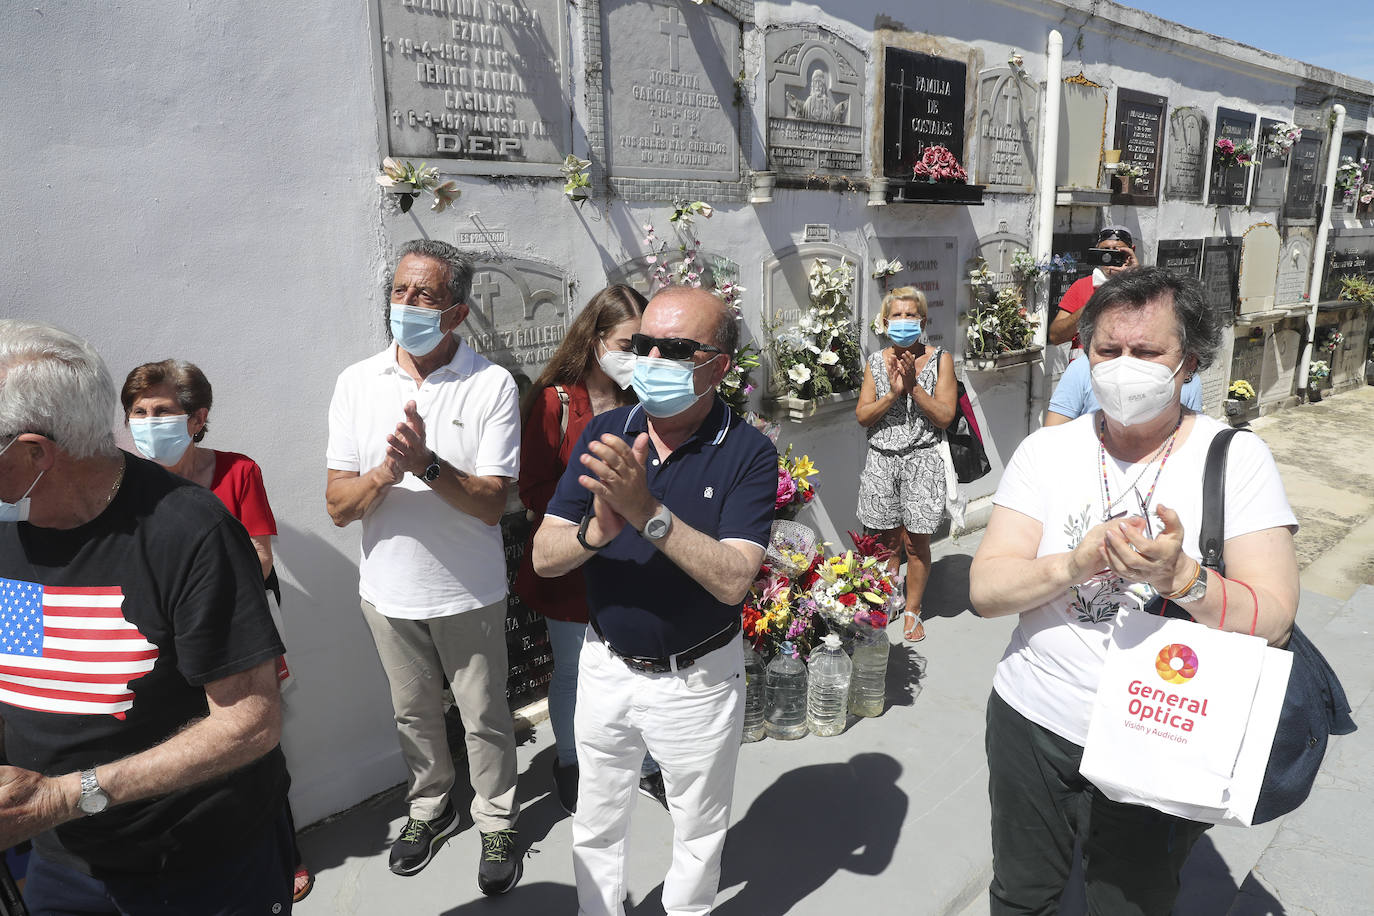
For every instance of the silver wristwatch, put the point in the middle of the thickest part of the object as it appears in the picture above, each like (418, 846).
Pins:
(1196, 591)
(93, 798)
(659, 524)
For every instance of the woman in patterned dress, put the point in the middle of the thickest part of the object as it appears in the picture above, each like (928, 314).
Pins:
(908, 397)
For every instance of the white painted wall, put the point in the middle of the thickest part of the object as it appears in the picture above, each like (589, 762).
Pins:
(198, 182)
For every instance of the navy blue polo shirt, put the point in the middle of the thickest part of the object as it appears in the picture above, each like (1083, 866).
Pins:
(722, 481)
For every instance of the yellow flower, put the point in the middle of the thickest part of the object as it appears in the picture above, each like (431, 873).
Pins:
(802, 469)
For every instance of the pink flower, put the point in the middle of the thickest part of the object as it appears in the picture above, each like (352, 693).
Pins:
(1226, 146)
(787, 489)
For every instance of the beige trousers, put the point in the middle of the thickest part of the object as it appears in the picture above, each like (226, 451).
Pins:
(469, 649)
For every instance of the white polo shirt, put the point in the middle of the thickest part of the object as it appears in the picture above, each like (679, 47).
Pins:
(422, 558)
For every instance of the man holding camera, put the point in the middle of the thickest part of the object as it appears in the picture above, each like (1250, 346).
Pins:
(1114, 252)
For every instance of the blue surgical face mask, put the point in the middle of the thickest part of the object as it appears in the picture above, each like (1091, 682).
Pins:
(17, 511)
(417, 329)
(161, 439)
(666, 387)
(904, 331)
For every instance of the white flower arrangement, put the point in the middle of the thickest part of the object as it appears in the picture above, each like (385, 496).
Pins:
(884, 268)
(1281, 139)
(408, 181)
(578, 186)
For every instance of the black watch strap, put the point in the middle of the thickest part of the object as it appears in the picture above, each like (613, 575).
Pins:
(582, 534)
(431, 473)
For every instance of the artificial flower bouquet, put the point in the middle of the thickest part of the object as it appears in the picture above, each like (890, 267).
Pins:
(1241, 390)
(938, 164)
(794, 484)
(408, 180)
(1231, 154)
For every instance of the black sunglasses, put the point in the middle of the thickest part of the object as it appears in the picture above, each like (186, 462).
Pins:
(670, 347)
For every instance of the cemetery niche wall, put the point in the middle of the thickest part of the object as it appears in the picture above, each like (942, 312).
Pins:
(665, 118)
(476, 86)
(816, 100)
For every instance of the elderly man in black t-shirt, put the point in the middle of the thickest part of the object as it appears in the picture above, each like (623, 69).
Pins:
(668, 504)
(138, 685)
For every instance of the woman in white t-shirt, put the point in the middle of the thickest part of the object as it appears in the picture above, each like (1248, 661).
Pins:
(1093, 516)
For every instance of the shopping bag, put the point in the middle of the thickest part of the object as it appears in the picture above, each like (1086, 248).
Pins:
(1171, 714)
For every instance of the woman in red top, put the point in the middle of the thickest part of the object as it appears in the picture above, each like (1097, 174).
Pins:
(166, 406)
(588, 374)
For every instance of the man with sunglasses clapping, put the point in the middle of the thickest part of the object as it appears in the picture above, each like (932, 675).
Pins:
(668, 503)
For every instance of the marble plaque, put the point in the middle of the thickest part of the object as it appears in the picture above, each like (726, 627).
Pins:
(1228, 186)
(1007, 130)
(786, 290)
(1345, 258)
(1304, 170)
(1180, 256)
(923, 106)
(1247, 361)
(1082, 128)
(519, 314)
(1140, 137)
(1280, 364)
(1271, 172)
(528, 654)
(1347, 364)
(669, 73)
(1220, 263)
(479, 85)
(929, 264)
(1295, 270)
(1259, 261)
(1188, 133)
(1076, 244)
(816, 102)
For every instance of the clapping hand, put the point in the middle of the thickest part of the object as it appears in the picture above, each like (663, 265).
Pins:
(405, 448)
(619, 485)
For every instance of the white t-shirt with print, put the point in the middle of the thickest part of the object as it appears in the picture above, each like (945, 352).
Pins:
(1051, 668)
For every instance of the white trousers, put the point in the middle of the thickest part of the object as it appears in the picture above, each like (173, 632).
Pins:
(691, 722)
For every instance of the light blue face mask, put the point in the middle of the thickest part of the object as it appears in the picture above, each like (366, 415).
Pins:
(17, 511)
(904, 331)
(417, 329)
(666, 387)
(161, 439)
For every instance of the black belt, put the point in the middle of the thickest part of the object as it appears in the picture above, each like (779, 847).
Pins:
(682, 659)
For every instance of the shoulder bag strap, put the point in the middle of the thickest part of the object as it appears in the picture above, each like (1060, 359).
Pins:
(562, 414)
(1211, 536)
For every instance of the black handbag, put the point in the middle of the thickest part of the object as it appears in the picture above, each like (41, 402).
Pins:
(1314, 706)
(965, 446)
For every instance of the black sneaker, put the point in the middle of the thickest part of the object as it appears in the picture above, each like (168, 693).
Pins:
(651, 786)
(420, 840)
(500, 867)
(565, 785)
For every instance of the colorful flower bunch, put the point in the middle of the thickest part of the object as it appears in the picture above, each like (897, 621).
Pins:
(1241, 390)
(1352, 180)
(794, 483)
(851, 589)
(938, 164)
(1330, 339)
(1317, 372)
(999, 321)
(1231, 154)
(776, 610)
(408, 181)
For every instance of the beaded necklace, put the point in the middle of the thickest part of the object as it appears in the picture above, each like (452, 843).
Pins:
(1107, 502)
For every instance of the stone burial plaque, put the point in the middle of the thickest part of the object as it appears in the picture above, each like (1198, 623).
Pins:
(669, 73)
(816, 102)
(1295, 270)
(1347, 257)
(1247, 362)
(1272, 171)
(481, 86)
(1139, 136)
(519, 315)
(1228, 186)
(1220, 266)
(997, 250)
(1076, 244)
(929, 265)
(1188, 133)
(1082, 127)
(1259, 262)
(1280, 362)
(1304, 170)
(1007, 130)
(923, 106)
(1182, 257)
(528, 653)
(787, 295)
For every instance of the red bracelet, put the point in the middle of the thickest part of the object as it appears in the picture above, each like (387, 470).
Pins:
(1222, 580)
(1254, 620)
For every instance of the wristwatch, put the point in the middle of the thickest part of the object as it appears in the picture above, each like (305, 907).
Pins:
(582, 534)
(93, 798)
(431, 473)
(1196, 590)
(659, 524)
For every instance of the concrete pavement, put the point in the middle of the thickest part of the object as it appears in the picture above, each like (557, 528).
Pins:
(893, 813)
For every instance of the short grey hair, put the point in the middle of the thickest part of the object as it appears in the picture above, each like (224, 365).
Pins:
(1198, 331)
(458, 262)
(54, 383)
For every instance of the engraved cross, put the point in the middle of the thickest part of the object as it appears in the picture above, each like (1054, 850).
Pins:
(674, 28)
(484, 293)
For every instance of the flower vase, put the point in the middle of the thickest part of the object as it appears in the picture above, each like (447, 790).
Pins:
(877, 192)
(1234, 407)
(761, 191)
(1125, 183)
(1314, 394)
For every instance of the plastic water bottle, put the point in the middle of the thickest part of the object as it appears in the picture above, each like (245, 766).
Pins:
(753, 694)
(827, 693)
(868, 691)
(785, 699)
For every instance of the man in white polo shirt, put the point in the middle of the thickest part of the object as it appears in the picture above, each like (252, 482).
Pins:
(424, 439)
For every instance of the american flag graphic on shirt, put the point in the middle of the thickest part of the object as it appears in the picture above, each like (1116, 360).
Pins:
(69, 650)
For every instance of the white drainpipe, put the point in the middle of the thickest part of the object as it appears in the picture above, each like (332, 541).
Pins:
(1046, 191)
(1333, 159)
